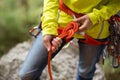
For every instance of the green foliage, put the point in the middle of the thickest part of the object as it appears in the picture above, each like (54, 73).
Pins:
(110, 72)
(16, 18)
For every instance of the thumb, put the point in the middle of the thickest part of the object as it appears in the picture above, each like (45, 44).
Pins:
(82, 28)
(48, 45)
(78, 19)
(47, 41)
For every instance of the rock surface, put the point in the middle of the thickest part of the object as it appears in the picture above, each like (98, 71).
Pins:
(64, 65)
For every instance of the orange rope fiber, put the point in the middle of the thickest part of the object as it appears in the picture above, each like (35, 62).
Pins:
(66, 33)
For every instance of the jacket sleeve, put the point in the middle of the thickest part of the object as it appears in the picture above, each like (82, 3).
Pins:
(49, 18)
(105, 11)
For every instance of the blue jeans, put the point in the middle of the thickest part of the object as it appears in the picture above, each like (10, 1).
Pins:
(36, 60)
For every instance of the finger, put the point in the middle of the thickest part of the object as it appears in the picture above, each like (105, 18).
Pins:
(78, 19)
(82, 28)
(47, 43)
(56, 42)
(59, 40)
(53, 49)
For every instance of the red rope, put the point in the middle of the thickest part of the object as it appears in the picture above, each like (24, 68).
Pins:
(66, 33)
(49, 65)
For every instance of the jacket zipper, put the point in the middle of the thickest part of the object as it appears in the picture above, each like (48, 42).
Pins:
(102, 27)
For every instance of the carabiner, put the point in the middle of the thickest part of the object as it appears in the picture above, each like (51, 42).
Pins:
(35, 31)
(115, 63)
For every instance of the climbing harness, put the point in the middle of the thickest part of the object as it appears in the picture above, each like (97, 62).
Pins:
(113, 45)
(113, 48)
(67, 10)
(88, 39)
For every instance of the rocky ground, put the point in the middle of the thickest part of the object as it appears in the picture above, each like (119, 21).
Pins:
(64, 65)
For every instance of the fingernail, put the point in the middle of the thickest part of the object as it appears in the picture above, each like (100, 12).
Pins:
(53, 48)
(48, 49)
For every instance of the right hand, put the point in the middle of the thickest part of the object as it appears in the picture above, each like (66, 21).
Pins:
(50, 40)
(85, 23)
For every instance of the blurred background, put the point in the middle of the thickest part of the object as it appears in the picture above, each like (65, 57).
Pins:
(17, 17)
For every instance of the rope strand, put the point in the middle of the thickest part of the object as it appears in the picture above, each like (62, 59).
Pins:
(67, 34)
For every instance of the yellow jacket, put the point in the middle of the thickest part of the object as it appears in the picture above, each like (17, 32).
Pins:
(99, 12)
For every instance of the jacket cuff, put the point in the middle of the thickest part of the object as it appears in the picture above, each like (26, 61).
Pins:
(51, 31)
(93, 18)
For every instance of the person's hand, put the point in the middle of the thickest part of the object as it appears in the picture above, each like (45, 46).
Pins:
(85, 23)
(51, 41)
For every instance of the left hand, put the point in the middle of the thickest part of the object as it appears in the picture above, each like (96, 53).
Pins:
(50, 40)
(85, 23)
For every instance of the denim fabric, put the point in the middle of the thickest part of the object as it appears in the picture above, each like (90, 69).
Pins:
(36, 60)
(88, 56)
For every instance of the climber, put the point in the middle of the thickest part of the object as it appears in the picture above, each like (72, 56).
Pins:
(93, 22)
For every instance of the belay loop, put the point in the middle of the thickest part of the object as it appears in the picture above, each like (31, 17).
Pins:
(113, 47)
